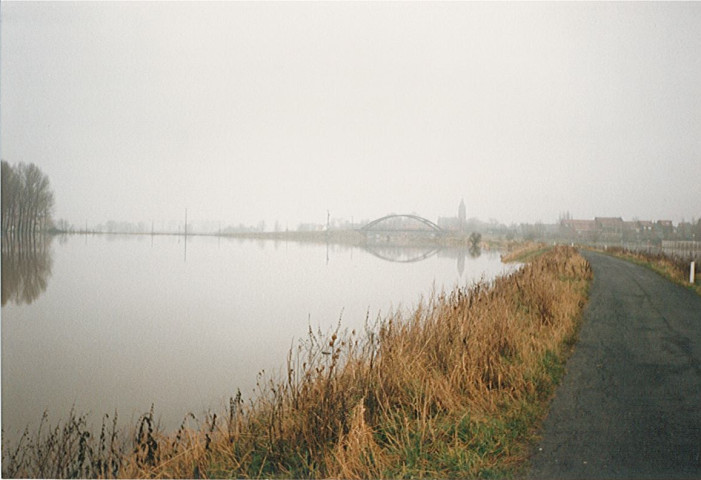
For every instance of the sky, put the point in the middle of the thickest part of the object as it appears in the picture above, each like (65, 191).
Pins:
(242, 112)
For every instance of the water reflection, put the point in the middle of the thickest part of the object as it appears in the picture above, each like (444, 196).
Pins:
(111, 331)
(400, 254)
(461, 254)
(26, 269)
(413, 254)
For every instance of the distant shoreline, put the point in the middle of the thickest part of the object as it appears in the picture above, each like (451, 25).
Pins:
(347, 237)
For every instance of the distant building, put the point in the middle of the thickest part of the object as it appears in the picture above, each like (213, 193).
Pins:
(578, 228)
(455, 224)
(685, 230)
(609, 228)
(665, 228)
(615, 229)
(645, 227)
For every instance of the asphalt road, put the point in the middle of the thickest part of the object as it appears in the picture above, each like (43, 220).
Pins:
(629, 405)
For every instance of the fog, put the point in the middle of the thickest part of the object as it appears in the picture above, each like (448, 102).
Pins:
(280, 112)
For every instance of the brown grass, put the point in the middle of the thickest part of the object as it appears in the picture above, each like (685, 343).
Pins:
(454, 389)
(673, 267)
(524, 251)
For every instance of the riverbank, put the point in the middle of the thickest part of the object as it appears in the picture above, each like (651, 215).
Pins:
(524, 252)
(454, 388)
(340, 237)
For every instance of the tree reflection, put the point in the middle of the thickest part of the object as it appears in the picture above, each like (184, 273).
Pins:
(26, 268)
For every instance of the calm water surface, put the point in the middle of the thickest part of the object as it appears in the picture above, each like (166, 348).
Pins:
(121, 322)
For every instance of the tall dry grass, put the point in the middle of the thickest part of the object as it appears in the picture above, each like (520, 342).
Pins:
(453, 389)
(673, 267)
(524, 251)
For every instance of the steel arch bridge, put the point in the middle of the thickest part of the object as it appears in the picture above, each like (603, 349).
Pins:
(373, 226)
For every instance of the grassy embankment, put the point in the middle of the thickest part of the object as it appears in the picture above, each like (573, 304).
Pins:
(673, 268)
(455, 389)
(525, 252)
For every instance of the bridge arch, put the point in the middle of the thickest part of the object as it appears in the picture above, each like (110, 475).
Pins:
(371, 225)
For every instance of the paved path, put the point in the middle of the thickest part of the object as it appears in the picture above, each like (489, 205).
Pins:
(630, 403)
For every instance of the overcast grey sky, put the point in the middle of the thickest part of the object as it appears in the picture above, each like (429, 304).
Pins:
(243, 112)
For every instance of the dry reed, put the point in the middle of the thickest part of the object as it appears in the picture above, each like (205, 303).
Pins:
(673, 267)
(453, 389)
(523, 251)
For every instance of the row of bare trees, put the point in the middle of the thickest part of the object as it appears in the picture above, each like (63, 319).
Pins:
(27, 200)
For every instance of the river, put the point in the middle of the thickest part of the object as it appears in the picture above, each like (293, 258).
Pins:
(107, 322)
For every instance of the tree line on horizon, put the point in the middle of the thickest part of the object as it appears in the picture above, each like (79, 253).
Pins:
(27, 200)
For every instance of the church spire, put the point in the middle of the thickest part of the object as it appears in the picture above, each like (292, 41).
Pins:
(462, 214)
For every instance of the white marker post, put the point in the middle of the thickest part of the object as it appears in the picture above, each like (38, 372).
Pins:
(692, 271)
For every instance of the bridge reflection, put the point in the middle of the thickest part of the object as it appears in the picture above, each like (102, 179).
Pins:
(401, 254)
(413, 254)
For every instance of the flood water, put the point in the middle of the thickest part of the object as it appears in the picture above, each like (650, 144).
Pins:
(110, 322)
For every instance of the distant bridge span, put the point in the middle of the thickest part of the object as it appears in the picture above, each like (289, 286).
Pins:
(372, 226)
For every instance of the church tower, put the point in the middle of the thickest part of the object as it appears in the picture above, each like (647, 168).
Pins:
(462, 215)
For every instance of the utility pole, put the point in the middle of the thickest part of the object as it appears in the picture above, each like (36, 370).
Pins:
(185, 239)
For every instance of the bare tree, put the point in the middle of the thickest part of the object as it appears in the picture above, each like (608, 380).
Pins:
(27, 199)
(10, 192)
